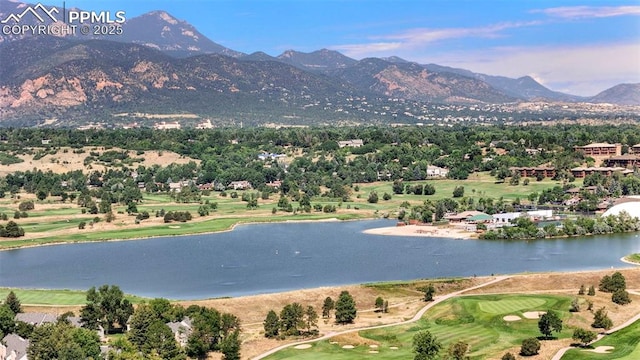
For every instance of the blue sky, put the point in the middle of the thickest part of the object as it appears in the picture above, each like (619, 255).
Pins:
(579, 47)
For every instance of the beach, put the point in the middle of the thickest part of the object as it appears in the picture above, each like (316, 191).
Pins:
(423, 230)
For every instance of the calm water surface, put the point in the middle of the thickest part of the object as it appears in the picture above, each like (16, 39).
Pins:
(263, 258)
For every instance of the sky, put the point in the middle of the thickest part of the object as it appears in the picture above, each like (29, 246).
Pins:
(577, 47)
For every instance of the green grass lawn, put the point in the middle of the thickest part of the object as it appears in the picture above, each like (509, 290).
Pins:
(633, 258)
(626, 343)
(54, 297)
(477, 320)
(171, 229)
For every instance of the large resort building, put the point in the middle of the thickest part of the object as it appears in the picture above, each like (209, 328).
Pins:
(600, 149)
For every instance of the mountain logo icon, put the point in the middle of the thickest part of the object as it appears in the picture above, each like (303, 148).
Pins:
(38, 11)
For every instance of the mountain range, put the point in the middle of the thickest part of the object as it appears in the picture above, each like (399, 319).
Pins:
(160, 64)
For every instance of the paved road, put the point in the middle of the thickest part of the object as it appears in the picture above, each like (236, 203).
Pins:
(416, 317)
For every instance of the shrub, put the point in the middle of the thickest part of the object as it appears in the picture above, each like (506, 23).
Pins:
(530, 347)
(601, 319)
(621, 297)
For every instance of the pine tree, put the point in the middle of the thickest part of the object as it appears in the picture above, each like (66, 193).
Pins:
(345, 308)
(271, 325)
(13, 303)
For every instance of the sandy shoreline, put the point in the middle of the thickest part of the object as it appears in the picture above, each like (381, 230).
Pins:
(422, 230)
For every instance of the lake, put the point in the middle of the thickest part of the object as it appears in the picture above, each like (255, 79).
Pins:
(277, 257)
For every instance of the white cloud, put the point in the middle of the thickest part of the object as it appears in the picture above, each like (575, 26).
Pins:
(579, 70)
(415, 39)
(580, 12)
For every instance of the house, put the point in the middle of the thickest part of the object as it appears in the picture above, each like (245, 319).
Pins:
(436, 172)
(544, 171)
(580, 172)
(46, 141)
(274, 184)
(13, 347)
(505, 219)
(240, 185)
(181, 330)
(626, 161)
(205, 187)
(463, 216)
(175, 186)
(270, 156)
(76, 321)
(167, 125)
(351, 143)
(600, 149)
(205, 124)
(36, 318)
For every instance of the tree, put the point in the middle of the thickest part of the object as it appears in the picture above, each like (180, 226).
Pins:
(13, 303)
(379, 304)
(575, 305)
(373, 197)
(311, 319)
(613, 283)
(7, 322)
(429, 291)
(584, 336)
(11, 230)
(621, 297)
(582, 290)
(458, 351)
(106, 307)
(425, 345)
(601, 319)
(271, 325)
(549, 322)
(398, 187)
(458, 191)
(63, 341)
(292, 319)
(508, 356)
(345, 308)
(530, 347)
(230, 346)
(327, 306)
(592, 291)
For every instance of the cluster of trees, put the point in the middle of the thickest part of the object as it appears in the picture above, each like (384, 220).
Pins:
(11, 229)
(525, 228)
(181, 216)
(231, 155)
(426, 346)
(616, 285)
(295, 320)
(148, 335)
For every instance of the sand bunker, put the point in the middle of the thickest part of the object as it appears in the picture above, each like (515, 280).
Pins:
(534, 314)
(373, 351)
(511, 318)
(602, 349)
(373, 346)
(302, 346)
(393, 347)
(348, 347)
